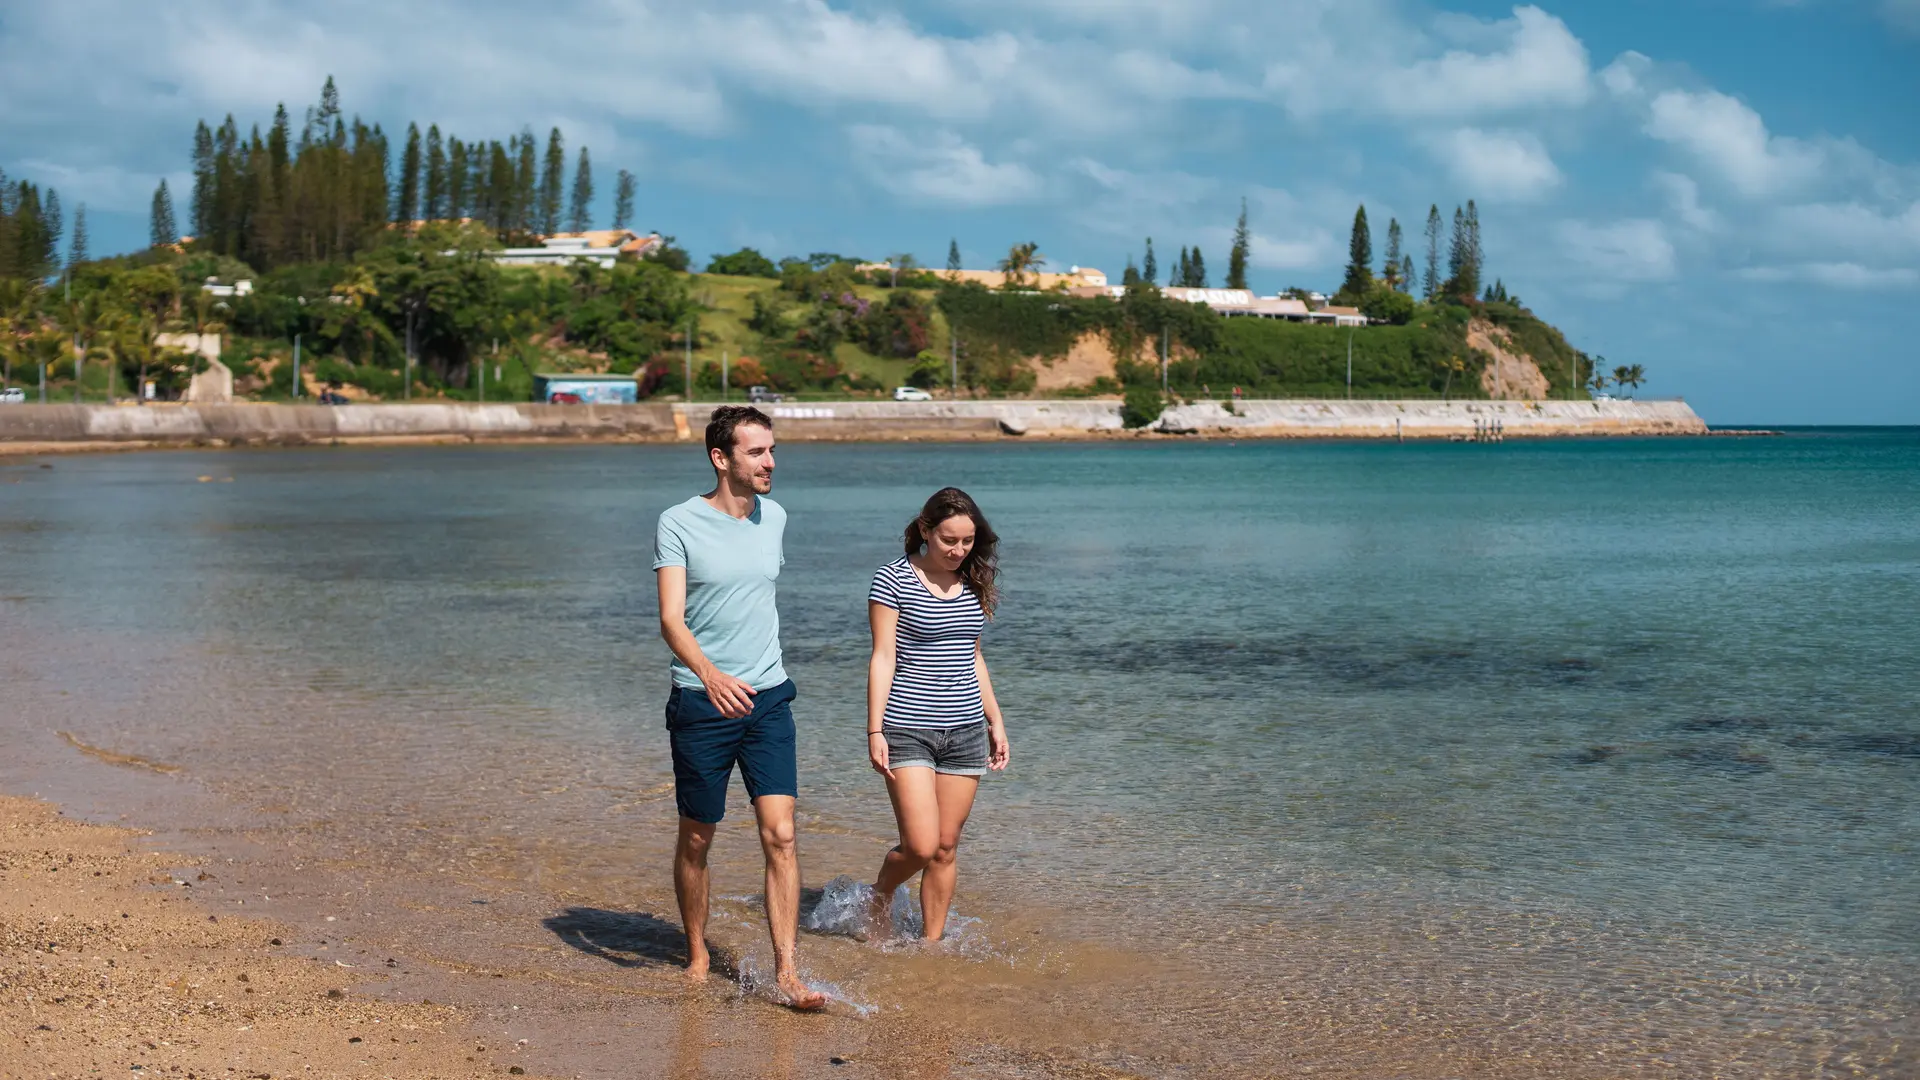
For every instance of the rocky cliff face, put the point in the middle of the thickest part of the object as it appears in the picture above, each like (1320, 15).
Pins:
(1509, 375)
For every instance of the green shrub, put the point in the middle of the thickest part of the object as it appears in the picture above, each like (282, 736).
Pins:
(743, 263)
(1141, 406)
(1388, 306)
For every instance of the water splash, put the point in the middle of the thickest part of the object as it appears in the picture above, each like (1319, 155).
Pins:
(843, 907)
(842, 910)
(758, 984)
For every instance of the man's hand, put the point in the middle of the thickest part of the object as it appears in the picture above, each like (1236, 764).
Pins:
(732, 697)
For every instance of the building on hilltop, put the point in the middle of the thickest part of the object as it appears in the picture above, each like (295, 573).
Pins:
(600, 246)
(1340, 316)
(213, 287)
(1076, 277)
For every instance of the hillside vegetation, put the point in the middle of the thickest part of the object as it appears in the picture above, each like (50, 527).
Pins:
(826, 331)
(377, 262)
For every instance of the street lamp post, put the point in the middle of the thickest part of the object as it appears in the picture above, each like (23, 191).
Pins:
(406, 380)
(296, 354)
(1349, 363)
(79, 360)
(689, 360)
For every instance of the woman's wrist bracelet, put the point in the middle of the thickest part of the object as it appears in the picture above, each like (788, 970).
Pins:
(871, 734)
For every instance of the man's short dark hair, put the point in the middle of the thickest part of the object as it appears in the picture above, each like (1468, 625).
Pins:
(725, 419)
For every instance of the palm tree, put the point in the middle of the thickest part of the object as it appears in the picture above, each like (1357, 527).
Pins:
(88, 321)
(1599, 382)
(903, 262)
(357, 287)
(1021, 259)
(1453, 365)
(1628, 377)
(15, 319)
(1635, 376)
(355, 291)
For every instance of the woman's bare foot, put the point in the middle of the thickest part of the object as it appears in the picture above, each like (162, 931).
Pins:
(800, 997)
(879, 925)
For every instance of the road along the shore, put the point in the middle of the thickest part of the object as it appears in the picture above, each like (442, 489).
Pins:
(45, 428)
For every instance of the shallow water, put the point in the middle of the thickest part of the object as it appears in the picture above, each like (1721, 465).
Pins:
(1541, 758)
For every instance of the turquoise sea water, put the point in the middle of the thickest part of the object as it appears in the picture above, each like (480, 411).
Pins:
(1612, 745)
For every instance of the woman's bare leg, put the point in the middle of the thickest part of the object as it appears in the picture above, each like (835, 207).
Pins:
(954, 796)
(916, 808)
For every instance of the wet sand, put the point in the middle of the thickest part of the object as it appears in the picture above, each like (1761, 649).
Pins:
(109, 965)
(119, 953)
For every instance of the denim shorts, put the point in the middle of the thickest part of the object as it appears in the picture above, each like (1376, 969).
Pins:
(706, 746)
(955, 751)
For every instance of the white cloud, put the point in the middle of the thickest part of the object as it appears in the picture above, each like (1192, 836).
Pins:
(1683, 195)
(1902, 14)
(1537, 63)
(1296, 253)
(1636, 249)
(806, 51)
(1626, 76)
(1836, 275)
(940, 168)
(1731, 138)
(1511, 165)
(1850, 228)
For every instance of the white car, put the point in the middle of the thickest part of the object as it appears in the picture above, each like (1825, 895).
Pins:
(13, 395)
(910, 393)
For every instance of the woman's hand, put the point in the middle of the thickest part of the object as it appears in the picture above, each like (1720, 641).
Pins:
(877, 753)
(1001, 751)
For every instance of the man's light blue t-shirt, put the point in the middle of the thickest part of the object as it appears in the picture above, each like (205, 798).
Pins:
(731, 564)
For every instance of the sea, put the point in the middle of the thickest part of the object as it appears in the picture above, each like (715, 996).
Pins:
(1542, 758)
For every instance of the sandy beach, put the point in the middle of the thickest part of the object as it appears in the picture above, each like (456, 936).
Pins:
(108, 964)
(119, 955)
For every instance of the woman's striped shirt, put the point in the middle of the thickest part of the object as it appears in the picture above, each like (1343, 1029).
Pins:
(934, 685)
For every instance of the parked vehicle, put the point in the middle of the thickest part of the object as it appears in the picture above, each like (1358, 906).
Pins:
(910, 393)
(13, 395)
(760, 395)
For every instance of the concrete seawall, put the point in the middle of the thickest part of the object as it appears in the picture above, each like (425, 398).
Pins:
(1435, 419)
(53, 427)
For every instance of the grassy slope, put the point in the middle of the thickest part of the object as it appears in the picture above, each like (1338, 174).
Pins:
(729, 303)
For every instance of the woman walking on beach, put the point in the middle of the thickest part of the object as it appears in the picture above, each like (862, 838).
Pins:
(933, 726)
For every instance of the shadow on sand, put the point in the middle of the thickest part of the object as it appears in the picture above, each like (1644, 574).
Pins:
(633, 939)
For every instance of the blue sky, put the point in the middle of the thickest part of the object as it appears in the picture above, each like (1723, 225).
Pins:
(1724, 191)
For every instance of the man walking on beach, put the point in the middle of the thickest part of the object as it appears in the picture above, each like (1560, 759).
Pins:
(716, 557)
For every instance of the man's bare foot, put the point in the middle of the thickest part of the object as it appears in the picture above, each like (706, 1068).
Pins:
(879, 926)
(697, 967)
(800, 997)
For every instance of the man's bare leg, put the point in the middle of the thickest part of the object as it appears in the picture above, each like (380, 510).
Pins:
(917, 811)
(783, 897)
(690, 888)
(955, 797)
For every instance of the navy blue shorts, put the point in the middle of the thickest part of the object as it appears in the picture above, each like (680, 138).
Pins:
(706, 745)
